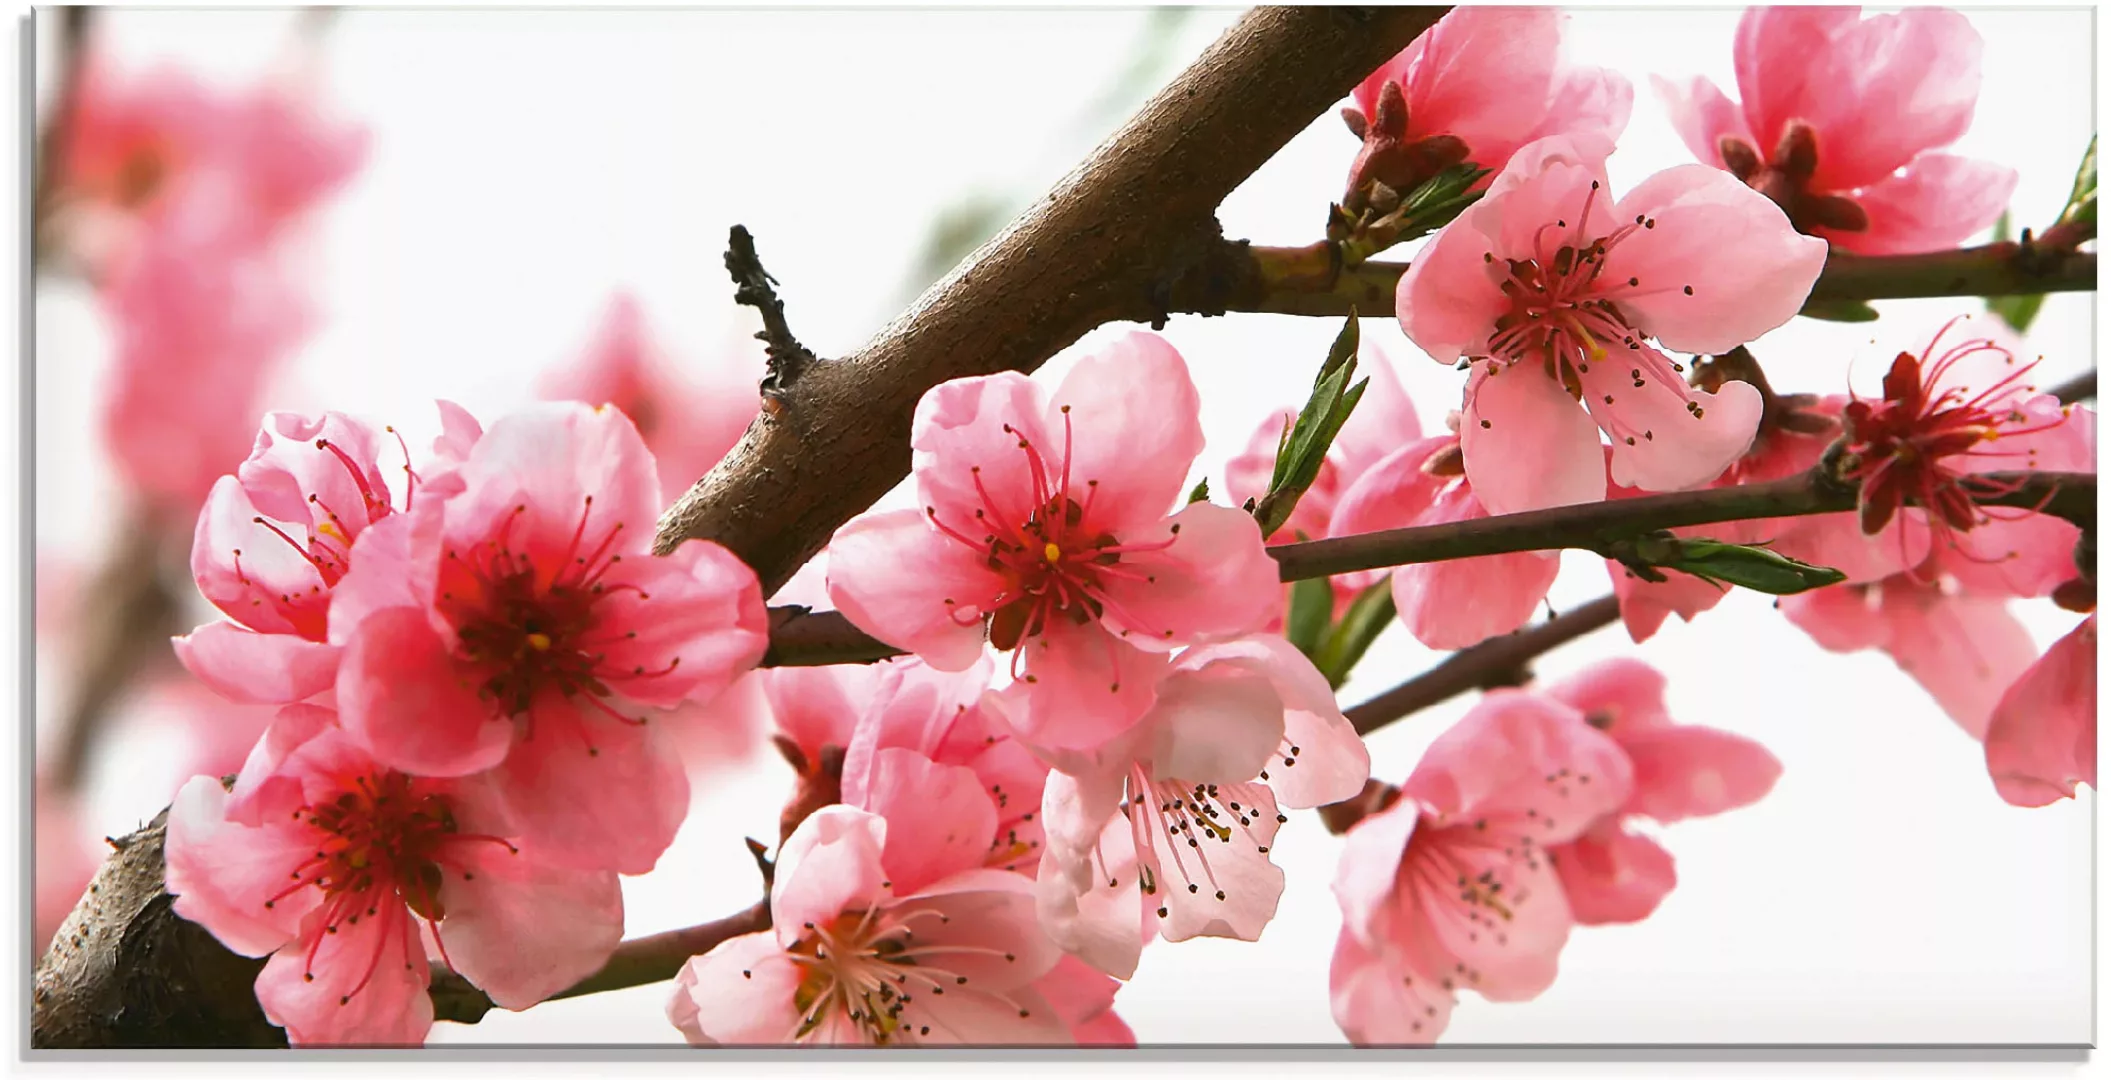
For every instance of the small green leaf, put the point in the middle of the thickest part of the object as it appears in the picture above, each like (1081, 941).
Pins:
(1200, 492)
(1755, 567)
(1304, 445)
(2017, 311)
(1848, 311)
(2081, 199)
(1347, 640)
(1311, 609)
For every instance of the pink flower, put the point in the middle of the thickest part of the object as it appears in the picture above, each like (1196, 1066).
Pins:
(271, 545)
(1455, 603)
(327, 861)
(1450, 888)
(137, 144)
(1962, 646)
(1045, 521)
(1948, 415)
(938, 716)
(1840, 120)
(687, 422)
(1475, 87)
(1552, 288)
(199, 321)
(517, 623)
(2041, 741)
(1083, 997)
(1609, 873)
(878, 941)
(1165, 831)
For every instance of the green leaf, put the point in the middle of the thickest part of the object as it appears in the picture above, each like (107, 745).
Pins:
(1304, 445)
(1347, 640)
(2017, 311)
(2081, 199)
(1200, 492)
(1754, 567)
(1848, 311)
(1311, 609)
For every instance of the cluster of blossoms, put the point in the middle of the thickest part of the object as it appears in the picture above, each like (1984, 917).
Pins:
(1101, 730)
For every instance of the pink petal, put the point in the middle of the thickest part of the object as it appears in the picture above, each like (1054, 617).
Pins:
(591, 791)
(1702, 116)
(1837, 541)
(1527, 445)
(1667, 436)
(1548, 182)
(391, 1009)
(1842, 618)
(243, 665)
(891, 575)
(1086, 890)
(1391, 493)
(990, 933)
(1886, 89)
(1083, 998)
(401, 694)
(970, 430)
(1611, 875)
(1370, 864)
(1462, 602)
(1618, 696)
(1587, 99)
(1516, 752)
(1322, 758)
(1215, 723)
(1384, 419)
(521, 928)
(1483, 75)
(1378, 1003)
(2021, 555)
(1449, 297)
(265, 791)
(741, 993)
(1965, 650)
(698, 611)
(1684, 771)
(830, 864)
(1084, 686)
(1215, 580)
(1134, 427)
(940, 821)
(567, 463)
(820, 706)
(222, 874)
(1210, 887)
(1507, 955)
(2041, 741)
(247, 586)
(394, 565)
(1699, 213)
(1939, 201)
(459, 433)
(1780, 53)
(1645, 605)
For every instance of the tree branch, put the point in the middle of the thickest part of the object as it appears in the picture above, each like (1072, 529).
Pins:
(1113, 241)
(637, 962)
(1312, 280)
(2075, 390)
(126, 630)
(71, 49)
(1592, 526)
(1495, 662)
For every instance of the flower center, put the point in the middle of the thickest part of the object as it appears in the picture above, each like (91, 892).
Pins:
(1225, 814)
(327, 547)
(1054, 564)
(533, 630)
(1786, 178)
(1561, 313)
(871, 968)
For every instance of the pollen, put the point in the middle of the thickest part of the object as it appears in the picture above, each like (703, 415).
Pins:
(539, 642)
(1052, 553)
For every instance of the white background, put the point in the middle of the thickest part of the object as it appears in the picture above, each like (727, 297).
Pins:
(527, 163)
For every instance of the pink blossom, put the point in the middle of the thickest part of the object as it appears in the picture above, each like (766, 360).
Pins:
(2041, 741)
(1477, 86)
(1165, 831)
(1044, 529)
(688, 418)
(1450, 888)
(1083, 996)
(138, 143)
(199, 322)
(1963, 647)
(1552, 289)
(1454, 603)
(876, 942)
(1840, 121)
(271, 545)
(1610, 873)
(327, 861)
(517, 623)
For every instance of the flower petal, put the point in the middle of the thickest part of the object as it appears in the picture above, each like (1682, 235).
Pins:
(1702, 116)
(2041, 741)
(830, 864)
(967, 437)
(1131, 425)
(1610, 875)
(227, 877)
(1215, 581)
(892, 574)
(1619, 696)
(694, 623)
(243, 665)
(1462, 602)
(1939, 201)
(1527, 445)
(1886, 89)
(940, 821)
(521, 928)
(391, 1008)
(1379, 1003)
(400, 692)
(1684, 771)
(741, 993)
(591, 791)
(1084, 686)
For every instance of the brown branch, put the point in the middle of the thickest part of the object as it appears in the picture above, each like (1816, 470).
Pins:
(1495, 662)
(1311, 281)
(2075, 390)
(1593, 526)
(637, 962)
(129, 612)
(72, 48)
(1113, 241)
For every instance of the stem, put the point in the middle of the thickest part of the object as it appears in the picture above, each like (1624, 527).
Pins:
(51, 141)
(1305, 281)
(1495, 662)
(127, 628)
(2078, 389)
(637, 962)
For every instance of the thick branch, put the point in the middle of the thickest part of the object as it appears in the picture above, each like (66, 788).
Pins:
(1495, 662)
(1593, 525)
(1112, 242)
(1311, 280)
(637, 962)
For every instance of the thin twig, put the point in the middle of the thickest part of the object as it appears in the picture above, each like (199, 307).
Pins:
(2078, 389)
(71, 51)
(1495, 662)
(787, 358)
(126, 630)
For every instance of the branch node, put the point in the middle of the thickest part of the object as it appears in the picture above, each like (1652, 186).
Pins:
(753, 287)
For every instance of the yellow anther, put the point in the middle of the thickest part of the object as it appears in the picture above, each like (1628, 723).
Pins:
(1052, 553)
(330, 529)
(539, 642)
